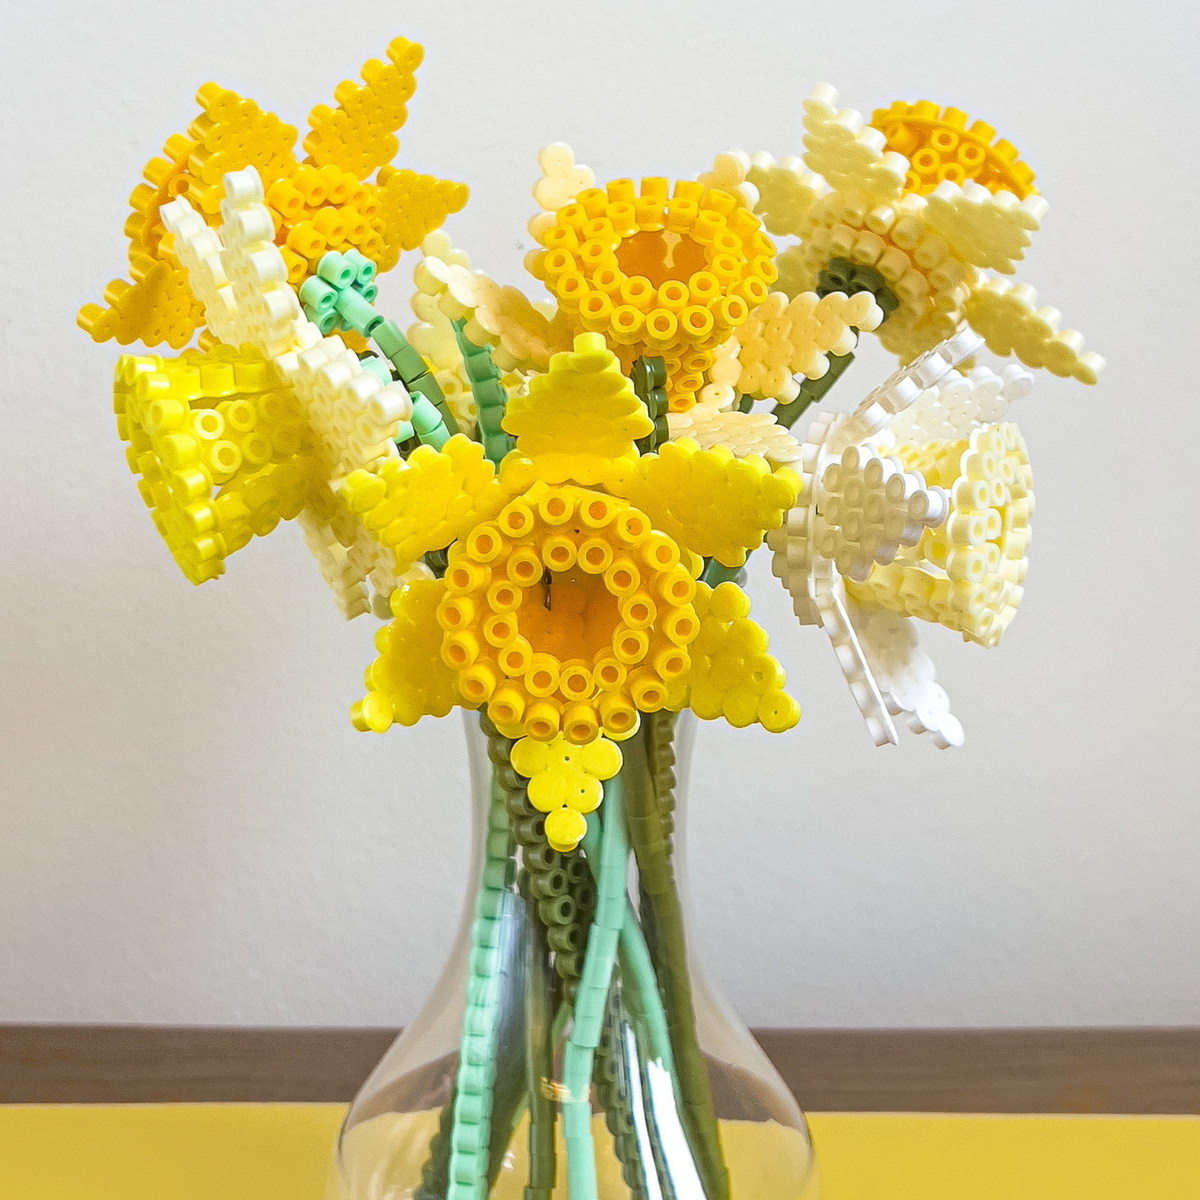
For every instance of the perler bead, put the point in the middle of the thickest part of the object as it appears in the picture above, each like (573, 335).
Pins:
(579, 416)
(408, 680)
(222, 448)
(905, 674)
(566, 613)
(940, 146)
(962, 206)
(741, 433)
(715, 504)
(845, 152)
(967, 575)
(869, 507)
(781, 339)
(659, 274)
(565, 783)
(960, 403)
(523, 334)
(427, 501)
(324, 203)
(1006, 316)
(562, 177)
(732, 675)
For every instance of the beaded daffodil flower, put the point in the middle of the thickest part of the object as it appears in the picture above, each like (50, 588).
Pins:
(552, 501)
(326, 201)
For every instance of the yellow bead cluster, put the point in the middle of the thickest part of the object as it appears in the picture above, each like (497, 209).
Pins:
(408, 680)
(359, 134)
(579, 416)
(423, 503)
(941, 147)
(968, 573)
(732, 675)
(669, 275)
(565, 783)
(567, 613)
(324, 203)
(206, 421)
(714, 504)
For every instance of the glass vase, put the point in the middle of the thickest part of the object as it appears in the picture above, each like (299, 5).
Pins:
(572, 1047)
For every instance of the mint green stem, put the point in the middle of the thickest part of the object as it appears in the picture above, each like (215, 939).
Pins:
(637, 969)
(474, 1082)
(592, 996)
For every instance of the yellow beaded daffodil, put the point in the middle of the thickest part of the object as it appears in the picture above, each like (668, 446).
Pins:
(324, 201)
(921, 207)
(570, 600)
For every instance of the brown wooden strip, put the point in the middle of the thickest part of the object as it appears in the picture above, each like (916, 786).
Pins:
(990, 1070)
(936, 1070)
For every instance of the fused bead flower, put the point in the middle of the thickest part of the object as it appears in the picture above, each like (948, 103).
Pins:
(326, 201)
(551, 502)
(570, 610)
(931, 203)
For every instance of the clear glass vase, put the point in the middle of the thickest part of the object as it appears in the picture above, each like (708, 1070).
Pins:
(572, 1047)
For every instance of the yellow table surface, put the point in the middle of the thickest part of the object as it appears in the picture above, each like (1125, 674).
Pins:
(281, 1152)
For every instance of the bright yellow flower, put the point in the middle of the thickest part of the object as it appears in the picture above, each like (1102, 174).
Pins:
(325, 201)
(570, 610)
(662, 270)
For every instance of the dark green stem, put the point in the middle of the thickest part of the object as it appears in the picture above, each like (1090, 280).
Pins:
(614, 1078)
(539, 1059)
(812, 390)
(648, 757)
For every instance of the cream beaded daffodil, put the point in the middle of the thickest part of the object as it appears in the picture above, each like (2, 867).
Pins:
(924, 209)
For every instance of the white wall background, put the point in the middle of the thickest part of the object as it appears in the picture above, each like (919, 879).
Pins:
(190, 831)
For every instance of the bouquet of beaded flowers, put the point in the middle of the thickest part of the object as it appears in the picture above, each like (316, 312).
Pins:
(550, 502)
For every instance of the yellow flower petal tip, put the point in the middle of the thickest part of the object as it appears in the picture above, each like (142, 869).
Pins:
(582, 413)
(408, 680)
(732, 675)
(565, 782)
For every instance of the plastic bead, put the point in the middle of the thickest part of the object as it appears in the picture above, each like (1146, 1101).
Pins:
(928, 203)
(731, 674)
(564, 782)
(326, 203)
(408, 680)
(579, 416)
(715, 504)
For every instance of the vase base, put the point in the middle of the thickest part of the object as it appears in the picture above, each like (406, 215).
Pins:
(381, 1159)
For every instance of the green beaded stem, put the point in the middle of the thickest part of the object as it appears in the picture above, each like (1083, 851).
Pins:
(812, 390)
(592, 996)
(649, 378)
(663, 917)
(615, 1078)
(490, 397)
(539, 1062)
(475, 1078)
(560, 884)
(414, 373)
